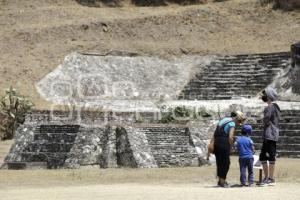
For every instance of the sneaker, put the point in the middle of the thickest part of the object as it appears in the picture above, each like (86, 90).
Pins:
(243, 185)
(271, 181)
(264, 182)
(224, 185)
(251, 185)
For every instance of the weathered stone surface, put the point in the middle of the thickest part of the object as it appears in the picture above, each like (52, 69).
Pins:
(90, 78)
(201, 133)
(87, 148)
(23, 137)
(139, 146)
(124, 152)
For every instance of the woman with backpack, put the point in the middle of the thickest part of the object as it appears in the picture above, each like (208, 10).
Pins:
(223, 140)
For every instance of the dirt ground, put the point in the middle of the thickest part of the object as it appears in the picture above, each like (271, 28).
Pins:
(36, 35)
(164, 183)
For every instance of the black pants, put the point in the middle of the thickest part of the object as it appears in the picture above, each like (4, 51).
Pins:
(222, 153)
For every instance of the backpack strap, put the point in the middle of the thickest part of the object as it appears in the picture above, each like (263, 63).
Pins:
(221, 128)
(223, 125)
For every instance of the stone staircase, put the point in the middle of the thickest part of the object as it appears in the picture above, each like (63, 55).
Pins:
(289, 142)
(235, 76)
(171, 146)
(49, 147)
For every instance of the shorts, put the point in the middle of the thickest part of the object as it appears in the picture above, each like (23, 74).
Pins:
(268, 152)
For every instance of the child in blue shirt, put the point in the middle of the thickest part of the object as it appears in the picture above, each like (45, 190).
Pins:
(245, 148)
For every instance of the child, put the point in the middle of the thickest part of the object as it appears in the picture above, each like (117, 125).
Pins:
(245, 148)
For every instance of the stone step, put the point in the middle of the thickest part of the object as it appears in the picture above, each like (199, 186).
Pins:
(234, 59)
(254, 59)
(273, 65)
(282, 126)
(247, 66)
(53, 160)
(235, 79)
(282, 139)
(290, 113)
(237, 83)
(203, 93)
(57, 129)
(281, 56)
(282, 147)
(285, 119)
(216, 91)
(169, 144)
(55, 137)
(290, 133)
(286, 55)
(179, 159)
(169, 151)
(204, 97)
(166, 134)
(245, 75)
(232, 81)
(160, 130)
(288, 153)
(167, 139)
(49, 147)
(26, 165)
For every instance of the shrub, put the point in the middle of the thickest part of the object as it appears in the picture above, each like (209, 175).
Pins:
(167, 116)
(179, 113)
(182, 112)
(13, 108)
(203, 112)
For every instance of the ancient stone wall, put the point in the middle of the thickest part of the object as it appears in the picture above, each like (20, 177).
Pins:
(47, 142)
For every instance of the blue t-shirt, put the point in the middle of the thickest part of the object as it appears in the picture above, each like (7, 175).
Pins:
(228, 125)
(244, 146)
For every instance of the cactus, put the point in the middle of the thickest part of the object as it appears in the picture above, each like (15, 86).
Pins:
(13, 108)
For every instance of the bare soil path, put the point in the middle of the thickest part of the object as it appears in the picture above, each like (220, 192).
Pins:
(153, 192)
(164, 183)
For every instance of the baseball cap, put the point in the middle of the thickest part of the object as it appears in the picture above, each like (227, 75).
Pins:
(247, 128)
